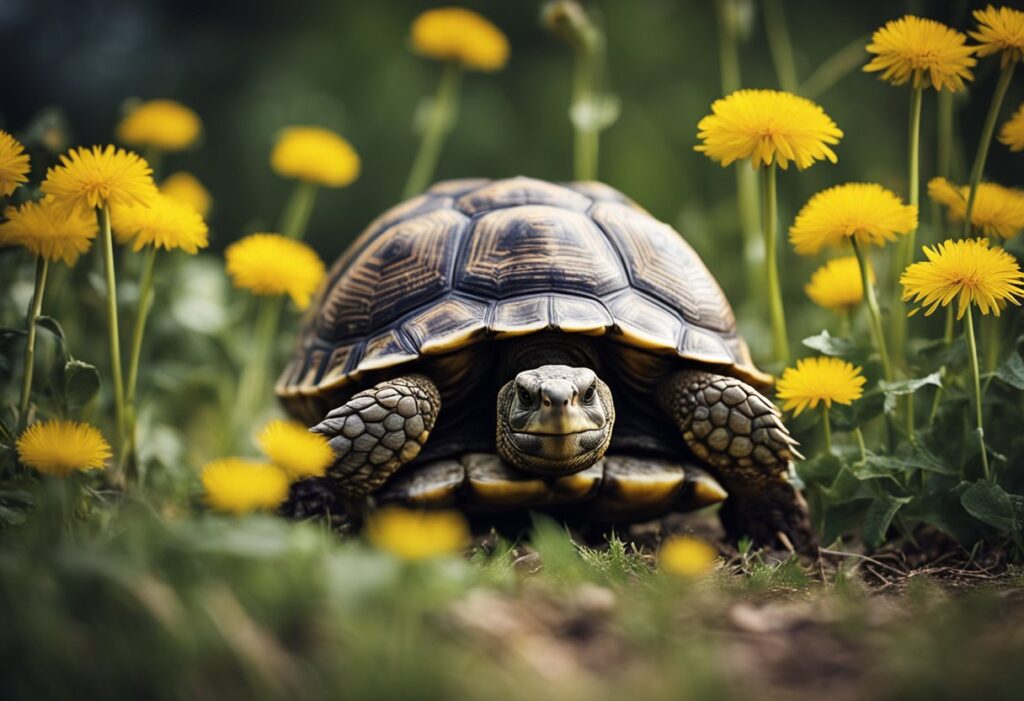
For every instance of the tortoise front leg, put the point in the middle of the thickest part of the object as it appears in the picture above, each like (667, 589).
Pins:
(377, 431)
(739, 432)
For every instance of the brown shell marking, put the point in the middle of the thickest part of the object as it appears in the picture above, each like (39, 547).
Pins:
(473, 258)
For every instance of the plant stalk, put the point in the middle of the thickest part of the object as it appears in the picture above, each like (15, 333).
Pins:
(35, 309)
(254, 375)
(115, 342)
(860, 443)
(972, 351)
(780, 342)
(828, 428)
(874, 314)
(442, 112)
(299, 209)
(145, 303)
(834, 68)
(746, 178)
(986, 139)
(779, 45)
(908, 246)
(944, 154)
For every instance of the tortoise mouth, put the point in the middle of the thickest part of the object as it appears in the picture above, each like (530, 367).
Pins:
(559, 454)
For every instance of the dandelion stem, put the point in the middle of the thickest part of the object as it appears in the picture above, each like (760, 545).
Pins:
(860, 443)
(42, 266)
(874, 314)
(439, 123)
(834, 68)
(299, 209)
(986, 139)
(145, 303)
(115, 342)
(908, 246)
(828, 428)
(780, 343)
(746, 178)
(252, 383)
(947, 338)
(779, 45)
(585, 153)
(944, 153)
(972, 351)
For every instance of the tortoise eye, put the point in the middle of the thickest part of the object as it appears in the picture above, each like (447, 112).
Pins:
(588, 396)
(524, 396)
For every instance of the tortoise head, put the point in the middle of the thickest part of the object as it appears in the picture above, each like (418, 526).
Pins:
(554, 419)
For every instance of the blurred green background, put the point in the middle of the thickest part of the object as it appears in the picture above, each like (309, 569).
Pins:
(250, 69)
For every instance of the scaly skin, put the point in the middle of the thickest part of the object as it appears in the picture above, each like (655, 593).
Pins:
(377, 431)
(739, 432)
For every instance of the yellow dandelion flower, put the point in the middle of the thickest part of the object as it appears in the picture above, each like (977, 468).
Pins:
(14, 164)
(165, 125)
(923, 51)
(998, 210)
(967, 270)
(186, 188)
(767, 126)
(460, 35)
(292, 447)
(686, 556)
(417, 535)
(239, 486)
(822, 379)
(62, 447)
(865, 211)
(1012, 132)
(837, 284)
(315, 155)
(163, 223)
(271, 264)
(1000, 30)
(93, 177)
(49, 231)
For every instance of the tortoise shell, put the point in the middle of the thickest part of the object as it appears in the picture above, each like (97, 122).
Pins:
(476, 259)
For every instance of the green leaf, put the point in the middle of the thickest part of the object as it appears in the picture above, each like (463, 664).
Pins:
(81, 384)
(7, 334)
(892, 390)
(849, 486)
(1012, 371)
(942, 509)
(987, 502)
(16, 496)
(12, 517)
(828, 344)
(843, 518)
(821, 469)
(53, 326)
(847, 418)
(879, 516)
(919, 458)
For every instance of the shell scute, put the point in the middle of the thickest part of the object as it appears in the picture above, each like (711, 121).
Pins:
(515, 192)
(399, 270)
(662, 264)
(510, 253)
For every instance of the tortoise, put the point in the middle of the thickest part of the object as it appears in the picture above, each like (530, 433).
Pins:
(516, 344)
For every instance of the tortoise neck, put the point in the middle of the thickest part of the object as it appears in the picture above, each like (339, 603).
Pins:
(535, 350)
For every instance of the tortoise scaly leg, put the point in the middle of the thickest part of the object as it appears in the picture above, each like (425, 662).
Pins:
(378, 430)
(372, 434)
(737, 431)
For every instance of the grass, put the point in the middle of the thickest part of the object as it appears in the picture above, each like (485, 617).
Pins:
(169, 604)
